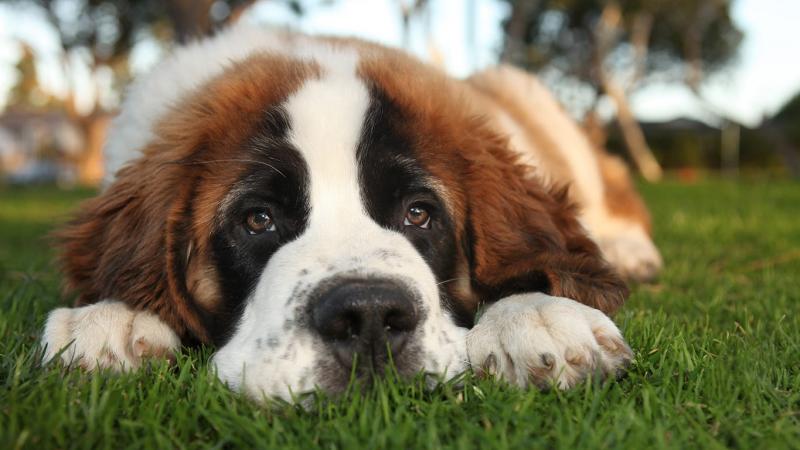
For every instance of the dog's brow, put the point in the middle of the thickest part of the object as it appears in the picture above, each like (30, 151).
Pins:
(252, 161)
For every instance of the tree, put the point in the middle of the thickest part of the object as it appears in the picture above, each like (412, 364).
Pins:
(105, 31)
(613, 47)
(100, 34)
(27, 91)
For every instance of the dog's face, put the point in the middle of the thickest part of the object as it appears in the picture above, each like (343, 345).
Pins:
(316, 218)
(332, 242)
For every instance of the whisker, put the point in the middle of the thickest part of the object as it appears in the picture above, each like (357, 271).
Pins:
(452, 279)
(252, 161)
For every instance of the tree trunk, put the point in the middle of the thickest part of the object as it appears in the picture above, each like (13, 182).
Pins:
(632, 133)
(516, 29)
(90, 164)
(191, 19)
(606, 35)
(238, 11)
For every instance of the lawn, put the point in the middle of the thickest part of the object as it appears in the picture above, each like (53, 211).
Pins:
(717, 364)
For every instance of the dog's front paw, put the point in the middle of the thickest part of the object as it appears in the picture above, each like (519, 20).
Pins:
(106, 334)
(536, 339)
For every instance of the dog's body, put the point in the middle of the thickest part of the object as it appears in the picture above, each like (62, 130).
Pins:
(299, 201)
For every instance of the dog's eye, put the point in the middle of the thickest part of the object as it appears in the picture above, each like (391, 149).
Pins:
(259, 221)
(418, 217)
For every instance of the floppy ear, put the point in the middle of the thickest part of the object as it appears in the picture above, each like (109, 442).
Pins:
(130, 244)
(524, 237)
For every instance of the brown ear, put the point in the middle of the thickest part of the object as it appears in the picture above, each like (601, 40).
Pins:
(126, 244)
(524, 237)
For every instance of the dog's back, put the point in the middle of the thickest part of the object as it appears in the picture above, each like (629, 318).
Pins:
(547, 138)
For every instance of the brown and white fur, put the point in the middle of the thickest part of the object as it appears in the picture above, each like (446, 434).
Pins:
(311, 205)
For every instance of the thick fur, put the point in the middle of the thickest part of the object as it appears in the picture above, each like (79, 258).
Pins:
(341, 136)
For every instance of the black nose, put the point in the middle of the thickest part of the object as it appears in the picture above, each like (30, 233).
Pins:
(367, 318)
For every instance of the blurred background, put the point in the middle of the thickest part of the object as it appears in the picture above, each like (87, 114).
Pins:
(680, 88)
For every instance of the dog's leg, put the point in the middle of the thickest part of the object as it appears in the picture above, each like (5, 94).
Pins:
(627, 247)
(537, 339)
(107, 334)
(635, 258)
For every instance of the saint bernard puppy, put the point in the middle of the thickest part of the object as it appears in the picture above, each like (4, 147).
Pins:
(317, 207)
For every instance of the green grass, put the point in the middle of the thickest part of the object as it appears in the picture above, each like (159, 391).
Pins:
(717, 344)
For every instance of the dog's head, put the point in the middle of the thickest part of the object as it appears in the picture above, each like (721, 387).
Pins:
(316, 217)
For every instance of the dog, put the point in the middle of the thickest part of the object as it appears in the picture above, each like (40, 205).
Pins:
(318, 208)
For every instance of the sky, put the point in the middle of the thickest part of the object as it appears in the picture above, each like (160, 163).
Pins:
(760, 81)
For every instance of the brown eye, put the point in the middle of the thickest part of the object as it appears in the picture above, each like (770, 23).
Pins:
(259, 221)
(418, 217)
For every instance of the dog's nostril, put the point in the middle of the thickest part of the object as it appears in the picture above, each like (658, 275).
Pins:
(340, 327)
(400, 321)
(363, 316)
(353, 321)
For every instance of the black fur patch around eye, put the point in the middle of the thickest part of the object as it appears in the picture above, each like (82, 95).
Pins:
(392, 179)
(276, 178)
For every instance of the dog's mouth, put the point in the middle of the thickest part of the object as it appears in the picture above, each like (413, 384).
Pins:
(327, 329)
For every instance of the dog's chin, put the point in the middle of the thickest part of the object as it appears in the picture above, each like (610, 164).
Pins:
(318, 371)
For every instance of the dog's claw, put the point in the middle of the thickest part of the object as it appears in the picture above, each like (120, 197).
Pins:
(549, 360)
(489, 366)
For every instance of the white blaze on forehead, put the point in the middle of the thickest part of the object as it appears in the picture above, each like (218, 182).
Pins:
(326, 117)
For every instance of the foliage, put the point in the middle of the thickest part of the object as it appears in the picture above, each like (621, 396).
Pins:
(716, 357)
(110, 28)
(27, 92)
(608, 47)
(788, 117)
(562, 34)
(698, 146)
(107, 30)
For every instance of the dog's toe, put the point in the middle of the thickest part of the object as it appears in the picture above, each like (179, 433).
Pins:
(106, 335)
(538, 340)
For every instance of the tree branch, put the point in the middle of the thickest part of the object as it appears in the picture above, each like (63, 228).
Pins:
(640, 39)
(606, 37)
(516, 30)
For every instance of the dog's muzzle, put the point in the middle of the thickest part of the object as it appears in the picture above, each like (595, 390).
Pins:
(365, 321)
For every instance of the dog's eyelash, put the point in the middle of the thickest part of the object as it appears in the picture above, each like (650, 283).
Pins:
(252, 161)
